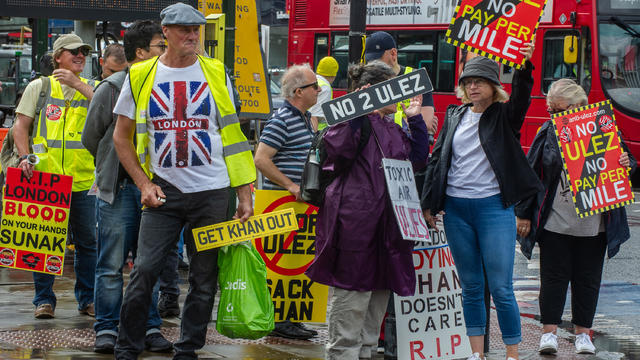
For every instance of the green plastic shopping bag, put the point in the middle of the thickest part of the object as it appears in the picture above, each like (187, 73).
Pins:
(245, 309)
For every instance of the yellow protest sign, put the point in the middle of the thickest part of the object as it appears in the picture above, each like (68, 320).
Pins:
(35, 216)
(287, 256)
(249, 66)
(234, 231)
(208, 7)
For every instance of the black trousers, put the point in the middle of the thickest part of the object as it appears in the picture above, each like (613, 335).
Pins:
(568, 259)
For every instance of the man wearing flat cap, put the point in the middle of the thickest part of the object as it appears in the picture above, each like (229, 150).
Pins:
(188, 150)
(59, 104)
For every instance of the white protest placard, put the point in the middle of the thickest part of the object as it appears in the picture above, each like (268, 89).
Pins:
(401, 186)
(377, 96)
(430, 324)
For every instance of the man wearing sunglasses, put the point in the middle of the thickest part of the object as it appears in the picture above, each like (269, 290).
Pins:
(56, 140)
(282, 152)
(119, 205)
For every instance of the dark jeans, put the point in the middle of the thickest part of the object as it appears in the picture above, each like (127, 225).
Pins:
(564, 259)
(169, 279)
(159, 233)
(82, 225)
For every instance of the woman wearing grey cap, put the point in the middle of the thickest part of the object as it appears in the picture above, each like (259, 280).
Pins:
(477, 173)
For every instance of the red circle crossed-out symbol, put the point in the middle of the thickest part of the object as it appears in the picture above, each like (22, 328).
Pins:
(273, 262)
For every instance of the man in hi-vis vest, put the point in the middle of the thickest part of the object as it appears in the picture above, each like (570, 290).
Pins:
(56, 140)
(188, 150)
(326, 72)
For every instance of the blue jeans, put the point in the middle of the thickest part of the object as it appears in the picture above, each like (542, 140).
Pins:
(159, 233)
(482, 236)
(118, 226)
(82, 227)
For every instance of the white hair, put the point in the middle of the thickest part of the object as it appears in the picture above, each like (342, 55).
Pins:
(568, 90)
(293, 78)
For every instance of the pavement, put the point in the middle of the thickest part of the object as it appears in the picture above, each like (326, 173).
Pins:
(70, 335)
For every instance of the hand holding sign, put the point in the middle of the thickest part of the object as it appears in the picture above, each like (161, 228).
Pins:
(414, 106)
(527, 50)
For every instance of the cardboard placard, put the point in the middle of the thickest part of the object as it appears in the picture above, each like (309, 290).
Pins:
(35, 218)
(287, 256)
(377, 96)
(590, 149)
(232, 232)
(430, 324)
(495, 29)
(401, 186)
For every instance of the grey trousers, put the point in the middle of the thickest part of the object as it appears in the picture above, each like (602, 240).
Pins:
(354, 323)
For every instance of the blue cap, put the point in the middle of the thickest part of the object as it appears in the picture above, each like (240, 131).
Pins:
(377, 43)
(181, 14)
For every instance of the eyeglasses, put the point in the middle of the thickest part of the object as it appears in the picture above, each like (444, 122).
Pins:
(82, 50)
(476, 82)
(313, 84)
(162, 47)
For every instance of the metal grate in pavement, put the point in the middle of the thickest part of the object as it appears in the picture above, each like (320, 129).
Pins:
(83, 339)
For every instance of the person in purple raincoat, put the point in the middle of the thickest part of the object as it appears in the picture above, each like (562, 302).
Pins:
(360, 251)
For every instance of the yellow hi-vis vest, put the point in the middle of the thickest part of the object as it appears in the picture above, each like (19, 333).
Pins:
(56, 137)
(321, 83)
(399, 115)
(235, 148)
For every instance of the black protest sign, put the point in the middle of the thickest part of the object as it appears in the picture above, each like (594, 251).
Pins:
(388, 92)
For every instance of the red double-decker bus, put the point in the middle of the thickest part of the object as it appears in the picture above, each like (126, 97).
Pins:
(607, 37)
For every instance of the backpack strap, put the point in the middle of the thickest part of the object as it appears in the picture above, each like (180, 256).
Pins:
(365, 134)
(42, 99)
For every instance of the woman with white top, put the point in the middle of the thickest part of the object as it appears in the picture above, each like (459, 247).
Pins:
(477, 173)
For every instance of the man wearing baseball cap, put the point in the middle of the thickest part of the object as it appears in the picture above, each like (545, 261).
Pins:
(188, 151)
(56, 141)
(326, 72)
(381, 46)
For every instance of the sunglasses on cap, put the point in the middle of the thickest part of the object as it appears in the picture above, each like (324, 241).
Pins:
(314, 84)
(83, 50)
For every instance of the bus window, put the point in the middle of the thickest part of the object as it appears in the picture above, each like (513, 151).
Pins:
(585, 69)
(445, 74)
(553, 65)
(340, 51)
(429, 50)
(321, 48)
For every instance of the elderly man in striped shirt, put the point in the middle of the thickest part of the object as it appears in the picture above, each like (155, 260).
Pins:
(282, 152)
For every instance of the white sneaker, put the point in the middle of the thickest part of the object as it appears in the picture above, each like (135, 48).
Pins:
(476, 356)
(548, 344)
(584, 344)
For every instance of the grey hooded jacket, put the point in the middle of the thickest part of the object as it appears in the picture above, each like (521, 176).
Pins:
(97, 135)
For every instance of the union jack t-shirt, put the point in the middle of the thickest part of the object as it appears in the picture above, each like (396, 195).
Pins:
(184, 140)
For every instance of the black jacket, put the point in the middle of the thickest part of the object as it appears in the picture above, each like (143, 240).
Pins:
(499, 132)
(544, 158)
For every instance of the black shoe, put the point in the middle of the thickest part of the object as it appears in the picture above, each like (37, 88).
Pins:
(182, 265)
(157, 343)
(288, 330)
(305, 328)
(104, 344)
(168, 305)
